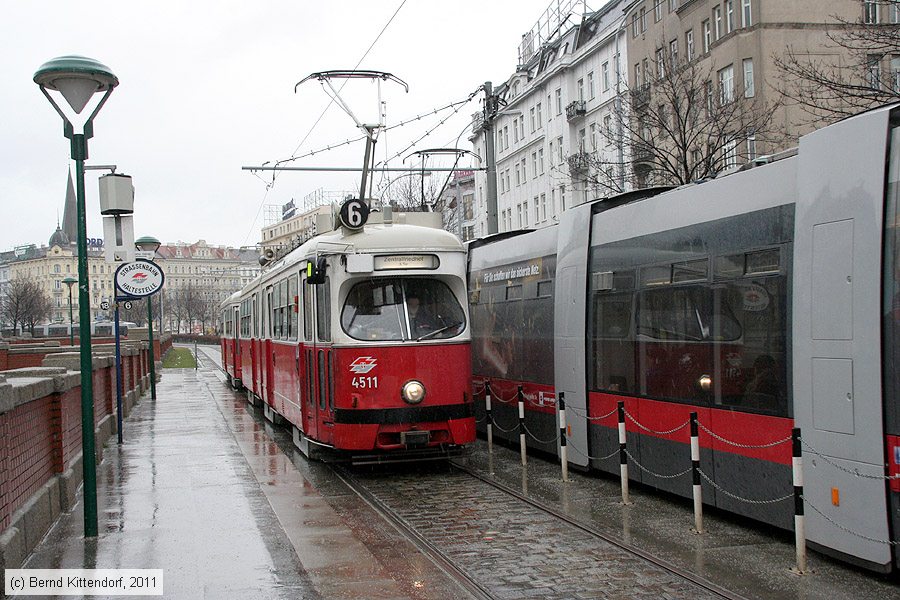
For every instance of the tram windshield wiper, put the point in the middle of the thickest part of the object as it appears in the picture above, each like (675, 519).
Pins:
(437, 331)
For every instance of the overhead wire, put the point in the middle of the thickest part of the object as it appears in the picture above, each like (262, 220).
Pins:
(311, 129)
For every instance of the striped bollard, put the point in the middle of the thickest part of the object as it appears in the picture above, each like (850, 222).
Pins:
(799, 525)
(490, 416)
(522, 425)
(623, 457)
(695, 474)
(563, 450)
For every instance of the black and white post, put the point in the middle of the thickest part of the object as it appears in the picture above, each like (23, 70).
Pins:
(563, 450)
(695, 474)
(623, 454)
(799, 525)
(489, 416)
(521, 397)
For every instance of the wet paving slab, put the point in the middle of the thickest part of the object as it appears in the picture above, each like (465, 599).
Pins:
(202, 490)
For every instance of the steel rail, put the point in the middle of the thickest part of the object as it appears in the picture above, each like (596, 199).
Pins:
(661, 563)
(429, 549)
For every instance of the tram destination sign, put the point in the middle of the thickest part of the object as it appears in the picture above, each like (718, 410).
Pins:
(140, 278)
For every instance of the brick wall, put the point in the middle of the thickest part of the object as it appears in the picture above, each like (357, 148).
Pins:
(28, 453)
(40, 424)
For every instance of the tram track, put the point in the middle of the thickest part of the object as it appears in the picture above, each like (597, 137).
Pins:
(431, 550)
(382, 497)
(663, 564)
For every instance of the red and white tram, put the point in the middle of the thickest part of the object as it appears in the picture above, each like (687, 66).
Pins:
(764, 300)
(359, 338)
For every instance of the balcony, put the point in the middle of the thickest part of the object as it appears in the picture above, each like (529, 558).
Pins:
(579, 163)
(640, 97)
(575, 109)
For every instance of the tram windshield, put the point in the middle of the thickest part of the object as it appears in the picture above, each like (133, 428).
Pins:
(402, 309)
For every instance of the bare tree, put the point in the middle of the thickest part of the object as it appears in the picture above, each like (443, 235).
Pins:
(858, 68)
(686, 124)
(25, 304)
(414, 193)
(410, 193)
(137, 314)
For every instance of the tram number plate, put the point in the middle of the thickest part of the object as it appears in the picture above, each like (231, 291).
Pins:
(365, 383)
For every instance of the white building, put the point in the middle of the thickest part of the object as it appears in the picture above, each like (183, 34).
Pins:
(559, 106)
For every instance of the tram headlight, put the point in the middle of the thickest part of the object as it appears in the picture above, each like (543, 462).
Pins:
(413, 392)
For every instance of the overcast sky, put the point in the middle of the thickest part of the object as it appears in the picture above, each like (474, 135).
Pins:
(208, 87)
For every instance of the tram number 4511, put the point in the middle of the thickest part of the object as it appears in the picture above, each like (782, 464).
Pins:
(365, 383)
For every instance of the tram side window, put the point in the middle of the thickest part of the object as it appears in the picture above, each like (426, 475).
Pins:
(275, 303)
(253, 314)
(323, 311)
(891, 290)
(512, 333)
(292, 309)
(660, 339)
(271, 301)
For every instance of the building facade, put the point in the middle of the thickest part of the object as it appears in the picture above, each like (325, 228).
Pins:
(295, 222)
(199, 276)
(558, 106)
(458, 202)
(736, 45)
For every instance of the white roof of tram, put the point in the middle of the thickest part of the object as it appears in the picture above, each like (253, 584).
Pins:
(380, 238)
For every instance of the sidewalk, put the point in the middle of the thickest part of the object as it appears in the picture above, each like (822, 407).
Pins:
(201, 490)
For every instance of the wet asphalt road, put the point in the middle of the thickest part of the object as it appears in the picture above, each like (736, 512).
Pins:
(205, 489)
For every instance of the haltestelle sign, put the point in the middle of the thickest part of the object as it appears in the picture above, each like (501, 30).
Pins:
(139, 278)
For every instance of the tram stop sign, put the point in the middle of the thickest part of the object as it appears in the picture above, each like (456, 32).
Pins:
(139, 279)
(354, 213)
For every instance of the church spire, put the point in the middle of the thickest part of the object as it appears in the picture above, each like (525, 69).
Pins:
(69, 224)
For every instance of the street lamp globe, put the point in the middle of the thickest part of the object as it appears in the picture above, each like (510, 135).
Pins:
(147, 244)
(70, 281)
(77, 78)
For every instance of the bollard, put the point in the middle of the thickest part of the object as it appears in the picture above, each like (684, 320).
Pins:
(623, 457)
(490, 416)
(521, 397)
(563, 451)
(799, 525)
(695, 473)
(119, 382)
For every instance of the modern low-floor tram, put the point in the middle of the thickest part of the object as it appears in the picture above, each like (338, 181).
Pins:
(763, 301)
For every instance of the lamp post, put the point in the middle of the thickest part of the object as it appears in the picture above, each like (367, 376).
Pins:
(150, 244)
(70, 281)
(78, 78)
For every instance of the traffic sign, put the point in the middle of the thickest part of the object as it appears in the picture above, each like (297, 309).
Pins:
(104, 305)
(140, 278)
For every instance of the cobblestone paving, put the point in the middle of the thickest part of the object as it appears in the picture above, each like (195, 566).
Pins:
(516, 550)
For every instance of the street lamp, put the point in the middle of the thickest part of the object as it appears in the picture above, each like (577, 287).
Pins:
(149, 244)
(78, 78)
(70, 281)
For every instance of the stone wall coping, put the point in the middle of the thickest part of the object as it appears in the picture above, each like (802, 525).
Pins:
(72, 361)
(44, 349)
(63, 379)
(22, 390)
